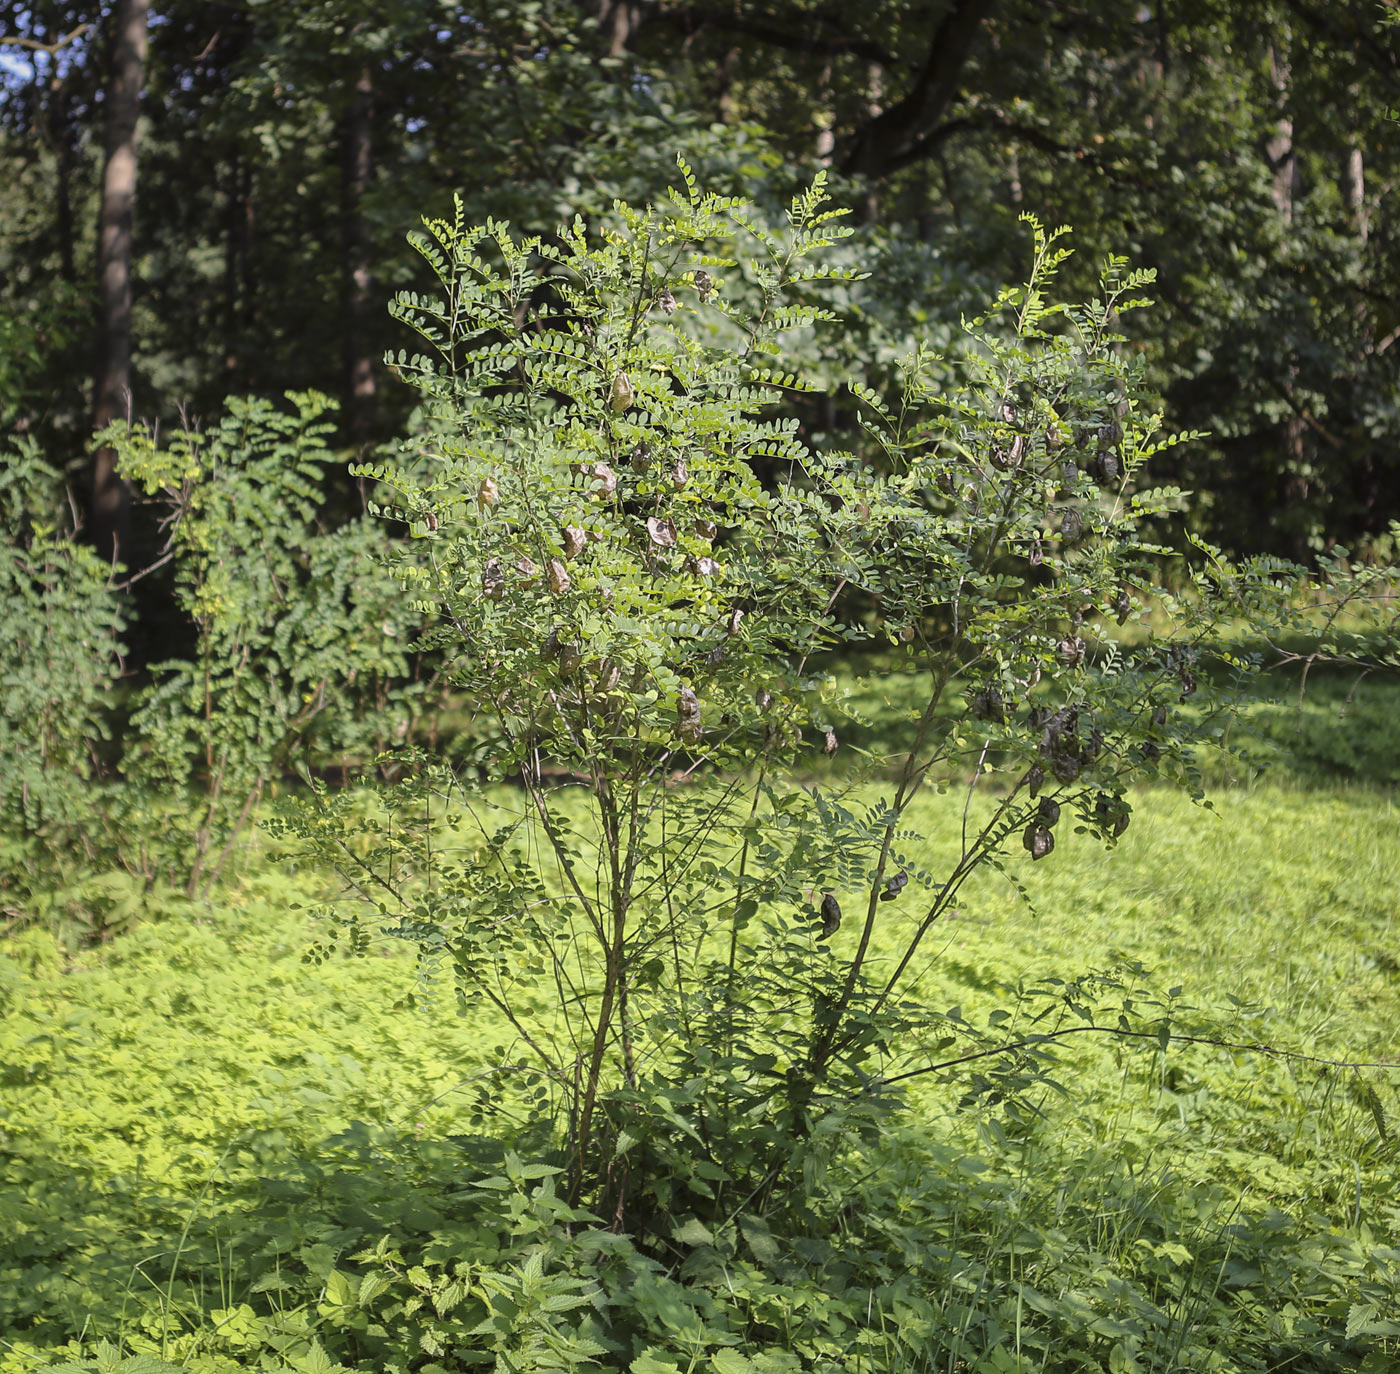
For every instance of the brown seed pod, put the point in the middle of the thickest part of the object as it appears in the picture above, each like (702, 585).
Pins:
(493, 582)
(988, 705)
(526, 570)
(706, 530)
(1110, 434)
(1007, 457)
(640, 457)
(1188, 682)
(1107, 468)
(609, 675)
(1071, 526)
(662, 532)
(1054, 438)
(574, 541)
(622, 393)
(430, 521)
(704, 285)
(1123, 605)
(665, 301)
(735, 617)
(1150, 752)
(680, 474)
(763, 699)
(906, 634)
(1159, 717)
(1036, 554)
(606, 479)
(557, 577)
(1048, 813)
(894, 886)
(1067, 767)
(688, 715)
(701, 567)
(831, 916)
(488, 493)
(1035, 779)
(1071, 651)
(830, 744)
(1038, 840)
(715, 657)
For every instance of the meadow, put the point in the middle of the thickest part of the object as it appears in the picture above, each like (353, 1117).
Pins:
(222, 1155)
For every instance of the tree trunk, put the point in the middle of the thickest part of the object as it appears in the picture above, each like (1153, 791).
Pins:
(1283, 161)
(111, 494)
(357, 263)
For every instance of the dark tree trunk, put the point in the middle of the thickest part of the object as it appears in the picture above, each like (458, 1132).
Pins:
(111, 495)
(357, 263)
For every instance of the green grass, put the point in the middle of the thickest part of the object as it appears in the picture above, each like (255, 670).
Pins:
(198, 1130)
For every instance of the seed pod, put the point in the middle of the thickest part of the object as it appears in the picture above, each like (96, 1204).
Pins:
(704, 284)
(1159, 717)
(493, 582)
(1036, 555)
(1054, 438)
(574, 541)
(831, 744)
(680, 474)
(1048, 813)
(945, 483)
(662, 532)
(831, 916)
(622, 394)
(558, 577)
(1069, 475)
(1110, 434)
(1071, 651)
(1007, 457)
(706, 530)
(735, 617)
(665, 301)
(526, 570)
(906, 634)
(1038, 840)
(641, 457)
(609, 675)
(606, 479)
(1035, 779)
(488, 493)
(894, 886)
(688, 713)
(763, 699)
(430, 521)
(1106, 468)
(715, 657)
(1150, 752)
(988, 705)
(701, 567)
(1123, 605)
(1071, 526)
(1188, 682)
(1067, 767)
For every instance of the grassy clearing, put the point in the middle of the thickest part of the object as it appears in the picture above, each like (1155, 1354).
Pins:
(199, 1131)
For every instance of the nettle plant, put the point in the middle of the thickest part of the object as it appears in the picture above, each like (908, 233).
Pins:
(636, 566)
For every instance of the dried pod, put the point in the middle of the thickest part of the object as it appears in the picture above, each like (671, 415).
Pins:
(665, 301)
(488, 493)
(688, 714)
(1038, 840)
(1036, 554)
(831, 916)
(1123, 605)
(662, 532)
(574, 541)
(715, 657)
(736, 616)
(606, 479)
(622, 394)
(1071, 651)
(1159, 717)
(763, 699)
(1067, 767)
(1112, 814)
(493, 582)
(1110, 434)
(1188, 682)
(706, 530)
(988, 705)
(1150, 752)
(704, 284)
(1069, 475)
(1048, 813)
(640, 457)
(1035, 779)
(680, 474)
(1054, 438)
(830, 744)
(526, 570)
(906, 634)
(1007, 457)
(549, 646)
(894, 886)
(558, 577)
(609, 675)
(704, 566)
(1071, 526)
(946, 483)
(430, 521)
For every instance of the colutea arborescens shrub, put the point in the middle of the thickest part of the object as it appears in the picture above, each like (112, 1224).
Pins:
(634, 564)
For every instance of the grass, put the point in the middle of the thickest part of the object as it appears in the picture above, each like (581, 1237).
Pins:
(198, 1129)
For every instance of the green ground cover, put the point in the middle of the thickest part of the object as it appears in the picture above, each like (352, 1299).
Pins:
(203, 1138)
